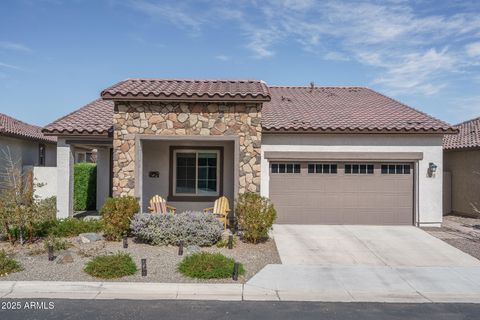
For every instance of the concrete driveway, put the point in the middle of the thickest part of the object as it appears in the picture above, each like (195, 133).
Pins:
(394, 246)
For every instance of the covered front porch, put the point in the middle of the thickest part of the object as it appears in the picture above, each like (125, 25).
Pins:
(190, 172)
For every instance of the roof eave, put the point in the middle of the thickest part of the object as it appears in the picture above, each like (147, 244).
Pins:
(186, 98)
(28, 138)
(359, 131)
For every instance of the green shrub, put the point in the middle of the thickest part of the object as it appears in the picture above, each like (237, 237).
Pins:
(111, 266)
(85, 186)
(8, 265)
(47, 208)
(71, 227)
(117, 213)
(58, 244)
(205, 265)
(255, 215)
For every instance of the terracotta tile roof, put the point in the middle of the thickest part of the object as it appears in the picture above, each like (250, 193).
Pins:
(93, 118)
(467, 137)
(343, 109)
(322, 109)
(175, 89)
(15, 128)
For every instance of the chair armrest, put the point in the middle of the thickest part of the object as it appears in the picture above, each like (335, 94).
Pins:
(207, 209)
(173, 209)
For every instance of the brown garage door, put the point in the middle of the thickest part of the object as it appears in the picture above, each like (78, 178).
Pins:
(342, 192)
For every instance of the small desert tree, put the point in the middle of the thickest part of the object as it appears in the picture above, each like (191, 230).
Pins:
(18, 209)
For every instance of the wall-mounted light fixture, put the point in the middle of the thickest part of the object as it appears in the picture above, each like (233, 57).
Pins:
(432, 168)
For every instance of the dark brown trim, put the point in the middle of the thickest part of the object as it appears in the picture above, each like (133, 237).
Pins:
(76, 133)
(90, 142)
(457, 149)
(172, 197)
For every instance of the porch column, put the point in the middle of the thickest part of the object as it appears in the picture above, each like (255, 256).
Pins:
(103, 176)
(64, 179)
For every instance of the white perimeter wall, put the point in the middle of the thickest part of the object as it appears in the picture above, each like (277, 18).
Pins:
(48, 177)
(429, 204)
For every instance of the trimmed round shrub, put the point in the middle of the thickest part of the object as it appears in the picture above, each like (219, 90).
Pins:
(85, 186)
(193, 228)
(111, 266)
(8, 265)
(117, 214)
(205, 265)
(255, 215)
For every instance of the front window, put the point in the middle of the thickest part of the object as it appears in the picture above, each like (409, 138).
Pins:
(41, 155)
(196, 172)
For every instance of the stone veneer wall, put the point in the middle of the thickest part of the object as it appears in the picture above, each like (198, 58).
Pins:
(186, 119)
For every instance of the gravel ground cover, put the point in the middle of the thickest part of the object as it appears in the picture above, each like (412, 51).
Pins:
(162, 261)
(459, 233)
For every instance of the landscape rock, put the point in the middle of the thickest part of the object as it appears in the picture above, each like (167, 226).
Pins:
(65, 258)
(192, 249)
(89, 237)
(226, 234)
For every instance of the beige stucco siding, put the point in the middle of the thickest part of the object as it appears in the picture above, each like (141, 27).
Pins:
(156, 157)
(464, 167)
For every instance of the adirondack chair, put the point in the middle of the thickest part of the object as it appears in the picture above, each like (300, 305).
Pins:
(220, 209)
(159, 205)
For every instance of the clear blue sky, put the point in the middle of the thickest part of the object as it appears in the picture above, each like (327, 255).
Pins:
(56, 56)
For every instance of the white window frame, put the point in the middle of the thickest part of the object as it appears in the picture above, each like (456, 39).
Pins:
(196, 194)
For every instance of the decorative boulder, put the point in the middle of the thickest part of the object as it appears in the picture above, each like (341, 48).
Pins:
(89, 237)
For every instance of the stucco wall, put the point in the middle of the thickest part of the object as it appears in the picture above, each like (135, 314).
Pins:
(464, 167)
(429, 206)
(103, 176)
(156, 158)
(47, 176)
(27, 151)
(185, 119)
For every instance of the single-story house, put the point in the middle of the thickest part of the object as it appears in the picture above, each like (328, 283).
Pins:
(31, 151)
(26, 143)
(324, 155)
(462, 163)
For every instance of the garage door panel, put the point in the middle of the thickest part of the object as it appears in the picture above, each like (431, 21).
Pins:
(378, 199)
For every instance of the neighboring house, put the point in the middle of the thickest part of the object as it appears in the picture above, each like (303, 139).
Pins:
(462, 163)
(30, 149)
(85, 155)
(26, 143)
(324, 155)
